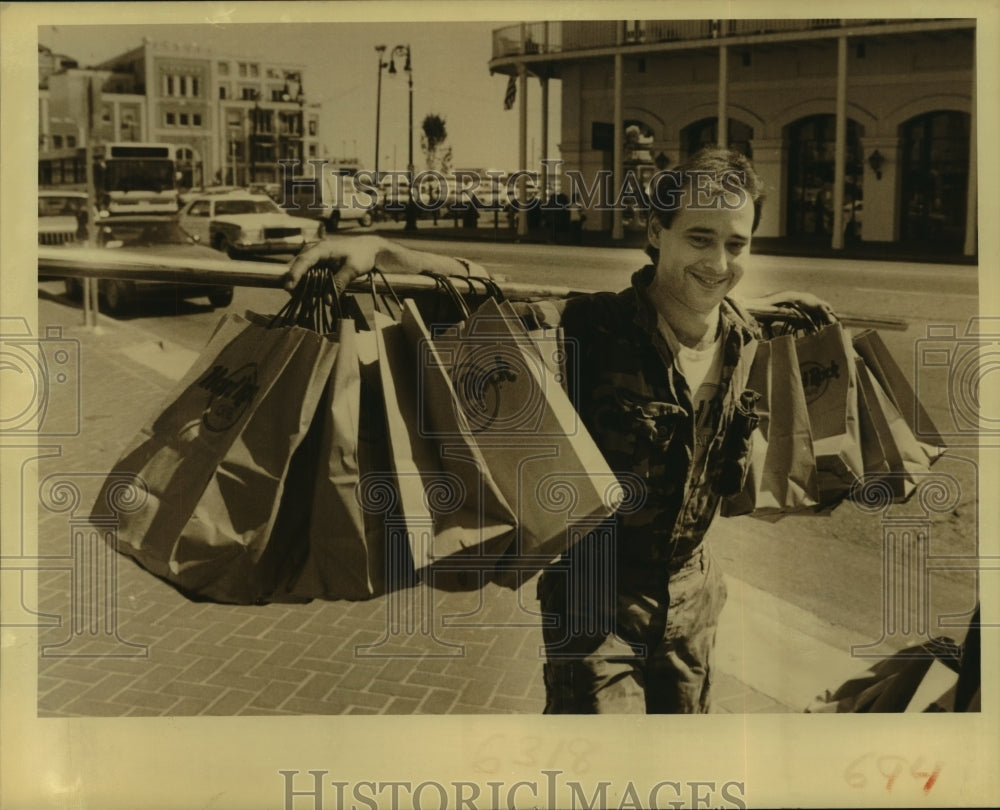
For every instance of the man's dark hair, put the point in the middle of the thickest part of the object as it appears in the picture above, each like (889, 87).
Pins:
(712, 170)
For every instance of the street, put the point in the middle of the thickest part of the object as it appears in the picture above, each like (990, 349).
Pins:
(830, 566)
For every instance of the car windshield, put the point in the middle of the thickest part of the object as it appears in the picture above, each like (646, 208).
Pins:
(144, 234)
(228, 207)
(61, 206)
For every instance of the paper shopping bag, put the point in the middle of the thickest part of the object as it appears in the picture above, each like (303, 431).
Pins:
(344, 556)
(548, 341)
(545, 462)
(873, 454)
(891, 451)
(886, 371)
(782, 472)
(919, 678)
(455, 519)
(826, 363)
(215, 459)
(480, 524)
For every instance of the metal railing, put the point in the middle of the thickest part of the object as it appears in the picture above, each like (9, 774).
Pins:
(577, 35)
(124, 265)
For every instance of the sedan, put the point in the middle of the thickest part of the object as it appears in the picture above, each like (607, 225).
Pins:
(157, 236)
(242, 224)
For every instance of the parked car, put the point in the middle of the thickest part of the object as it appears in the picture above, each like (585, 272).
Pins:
(186, 196)
(244, 224)
(340, 202)
(272, 190)
(62, 217)
(155, 236)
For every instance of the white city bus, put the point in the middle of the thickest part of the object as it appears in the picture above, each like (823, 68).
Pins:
(129, 178)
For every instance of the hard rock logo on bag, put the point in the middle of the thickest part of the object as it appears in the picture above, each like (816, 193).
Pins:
(231, 394)
(816, 378)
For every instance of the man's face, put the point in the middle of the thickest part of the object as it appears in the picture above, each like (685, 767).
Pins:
(703, 253)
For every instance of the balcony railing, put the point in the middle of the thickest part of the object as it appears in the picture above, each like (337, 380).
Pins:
(579, 35)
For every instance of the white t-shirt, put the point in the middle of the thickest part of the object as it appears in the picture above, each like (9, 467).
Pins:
(702, 370)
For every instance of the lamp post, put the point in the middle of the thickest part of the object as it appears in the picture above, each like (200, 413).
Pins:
(411, 212)
(382, 65)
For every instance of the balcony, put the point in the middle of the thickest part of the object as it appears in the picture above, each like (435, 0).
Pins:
(540, 38)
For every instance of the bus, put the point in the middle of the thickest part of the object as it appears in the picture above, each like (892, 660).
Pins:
(129, 178)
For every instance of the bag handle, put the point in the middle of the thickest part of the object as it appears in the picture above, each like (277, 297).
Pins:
(492, 288)
(445, 285)
(313, 304)
(389, 288)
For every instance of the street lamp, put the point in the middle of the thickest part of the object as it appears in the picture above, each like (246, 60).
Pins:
(411, 213)
(380, 49)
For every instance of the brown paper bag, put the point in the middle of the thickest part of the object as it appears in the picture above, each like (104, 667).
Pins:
(455, 518)
(345, 557)
(826, 363)
(476, 534)
(215, 460)
(889, 375)
(782, 476)
(545, 462)
(902, 458)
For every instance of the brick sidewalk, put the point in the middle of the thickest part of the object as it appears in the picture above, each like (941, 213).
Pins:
(158, 653)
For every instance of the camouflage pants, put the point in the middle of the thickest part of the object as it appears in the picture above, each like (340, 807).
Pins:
(638, 642)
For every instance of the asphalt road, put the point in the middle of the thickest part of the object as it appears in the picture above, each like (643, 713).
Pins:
(831, 566)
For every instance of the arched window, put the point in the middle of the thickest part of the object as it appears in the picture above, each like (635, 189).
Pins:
(706, 133)
(935, 175)
(811, 152)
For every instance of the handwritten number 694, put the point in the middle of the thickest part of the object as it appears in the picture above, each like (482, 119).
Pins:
(888, 769)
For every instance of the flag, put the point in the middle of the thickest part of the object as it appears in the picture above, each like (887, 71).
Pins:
(511, 94)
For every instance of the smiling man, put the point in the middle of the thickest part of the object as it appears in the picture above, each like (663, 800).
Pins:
(662, 372)
(659, 372)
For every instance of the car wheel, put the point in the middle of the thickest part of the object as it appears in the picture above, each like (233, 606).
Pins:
(221, 298)
(333, 221)
(366, 220)
(74, 289)
(120, 296)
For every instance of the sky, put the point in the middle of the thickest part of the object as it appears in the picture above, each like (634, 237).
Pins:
(451, 78)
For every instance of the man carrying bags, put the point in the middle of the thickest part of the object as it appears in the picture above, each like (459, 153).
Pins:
(660, 377)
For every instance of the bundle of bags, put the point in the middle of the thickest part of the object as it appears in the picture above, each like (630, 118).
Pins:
(340, 450)
(837, 421)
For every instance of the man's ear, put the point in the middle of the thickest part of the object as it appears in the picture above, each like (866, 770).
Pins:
(653, 230)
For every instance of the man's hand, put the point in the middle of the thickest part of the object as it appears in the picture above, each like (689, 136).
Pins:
(814, 308)
(350, 256)
(353, 256)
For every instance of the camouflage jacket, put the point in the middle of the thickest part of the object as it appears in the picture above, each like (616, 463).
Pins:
(638, 408)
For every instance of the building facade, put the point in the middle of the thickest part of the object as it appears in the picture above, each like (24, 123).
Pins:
(230, 119)
(860, 129)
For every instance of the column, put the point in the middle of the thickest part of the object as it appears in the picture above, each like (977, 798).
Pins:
(116, 120)
(522, 152)
(769, 160)
(545, 133)
(840, 159)
(971, 209)
(617, 228)
(723, 114)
